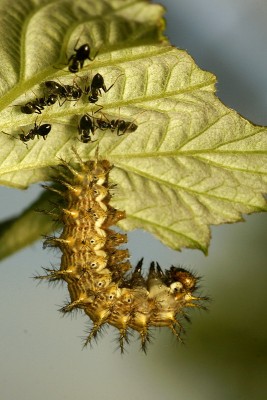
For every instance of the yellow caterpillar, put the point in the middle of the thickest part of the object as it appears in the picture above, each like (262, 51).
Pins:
(94, 266)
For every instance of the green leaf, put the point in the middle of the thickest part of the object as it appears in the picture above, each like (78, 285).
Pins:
(191, 163)
(18, 232)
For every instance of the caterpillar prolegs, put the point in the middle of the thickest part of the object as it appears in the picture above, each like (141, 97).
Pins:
(94, 265)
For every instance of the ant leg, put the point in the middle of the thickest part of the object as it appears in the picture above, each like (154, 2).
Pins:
(98, 110)
(99, 125)
(92, 59)
(14, 137)
(118, 124)
(20, 138)
(61, 104)
(104, 87)
(130, 127)
(75, 47)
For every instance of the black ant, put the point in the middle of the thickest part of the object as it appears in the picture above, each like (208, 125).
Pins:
(67, 92)
(41, 130)
(116, 124)
(38, 130)
(95, 88)
(76, 60)
(102, 125)
(97, 84)
(122, 126)
(86, 127)
(55, 88)
(74, 92)
(39, 104)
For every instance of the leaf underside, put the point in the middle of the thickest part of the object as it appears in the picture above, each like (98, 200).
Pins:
(191, 163)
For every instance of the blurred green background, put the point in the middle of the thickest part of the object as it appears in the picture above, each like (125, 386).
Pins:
(225, 352)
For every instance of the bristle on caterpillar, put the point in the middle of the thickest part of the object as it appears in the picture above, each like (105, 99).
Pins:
(95, 268)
